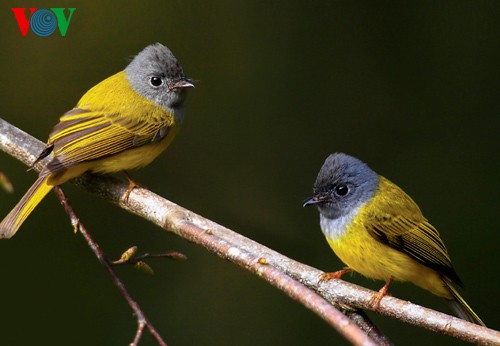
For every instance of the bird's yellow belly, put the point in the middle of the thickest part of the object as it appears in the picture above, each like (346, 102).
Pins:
(369, 257)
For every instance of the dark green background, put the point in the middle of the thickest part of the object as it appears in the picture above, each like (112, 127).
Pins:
(409, 87)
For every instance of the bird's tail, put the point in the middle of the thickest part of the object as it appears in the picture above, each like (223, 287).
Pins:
(14, 220)
(461, 308)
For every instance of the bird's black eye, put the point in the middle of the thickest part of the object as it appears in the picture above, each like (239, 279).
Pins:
(155, 81)
(341, 190)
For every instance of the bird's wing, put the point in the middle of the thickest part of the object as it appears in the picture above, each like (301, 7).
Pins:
(400, 224)
(84, 135)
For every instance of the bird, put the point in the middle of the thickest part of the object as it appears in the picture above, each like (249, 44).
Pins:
(122, 123)
(377, 230)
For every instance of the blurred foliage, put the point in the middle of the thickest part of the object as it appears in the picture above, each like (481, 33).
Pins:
(5, 183)
(410, 88)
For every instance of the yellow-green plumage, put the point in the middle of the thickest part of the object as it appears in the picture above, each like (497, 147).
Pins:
(359, 249)
(377, 230)
(114, 135)
(122, 123)
(23, 209)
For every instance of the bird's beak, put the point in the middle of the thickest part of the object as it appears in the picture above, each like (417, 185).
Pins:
(314, 200)
(180, 84)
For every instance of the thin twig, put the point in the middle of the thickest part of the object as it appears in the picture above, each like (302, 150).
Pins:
(170, 255)
(139, 262)
(138, 335)
(142, 320)
(128, 256)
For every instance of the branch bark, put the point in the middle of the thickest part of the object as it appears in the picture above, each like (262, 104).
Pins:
(299, 281)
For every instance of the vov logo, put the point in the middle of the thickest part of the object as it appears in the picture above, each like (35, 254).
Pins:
(43, 22)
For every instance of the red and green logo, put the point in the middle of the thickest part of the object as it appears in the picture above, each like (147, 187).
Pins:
(43, 22)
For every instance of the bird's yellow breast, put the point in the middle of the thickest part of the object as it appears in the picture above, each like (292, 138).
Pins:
(364, 254)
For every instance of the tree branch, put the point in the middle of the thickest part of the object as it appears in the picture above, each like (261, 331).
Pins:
(142, 320)
(284, 273)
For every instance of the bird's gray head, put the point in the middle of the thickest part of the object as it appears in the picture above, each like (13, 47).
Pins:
(343, 184)
(156, 74)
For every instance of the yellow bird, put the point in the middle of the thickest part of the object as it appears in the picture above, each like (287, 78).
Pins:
(377, 230)
(122, 123)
